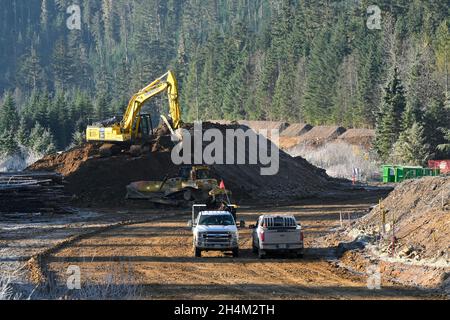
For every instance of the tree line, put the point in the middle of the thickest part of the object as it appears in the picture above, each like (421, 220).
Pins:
(291, 60)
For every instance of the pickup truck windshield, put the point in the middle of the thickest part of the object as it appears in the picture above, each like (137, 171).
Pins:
(216, 220)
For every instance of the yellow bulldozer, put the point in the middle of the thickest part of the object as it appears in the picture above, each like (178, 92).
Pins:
(193, 184)
(135, 128)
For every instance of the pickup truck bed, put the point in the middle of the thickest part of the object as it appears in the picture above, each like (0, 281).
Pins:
(277, 234)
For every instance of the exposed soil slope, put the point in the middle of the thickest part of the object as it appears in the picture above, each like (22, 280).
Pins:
(421, 212)
(102, 180)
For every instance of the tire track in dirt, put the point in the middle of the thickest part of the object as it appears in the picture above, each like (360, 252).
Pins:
(159, 254)
(36, 265)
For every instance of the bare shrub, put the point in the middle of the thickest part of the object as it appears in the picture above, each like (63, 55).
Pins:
(7, 290)
(18, 161)
(119, 283)
(115, 286)
(339, 159)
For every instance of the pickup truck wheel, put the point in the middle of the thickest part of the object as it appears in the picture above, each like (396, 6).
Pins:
(235, 253)
(261, 254)
(198, 252)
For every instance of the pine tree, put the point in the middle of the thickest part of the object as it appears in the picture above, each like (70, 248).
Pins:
(62, 65)
(412, 114)
(390, 116)
(32, 70)
(436, 118)
(266, 84)
(78, 138)
(41, 140)
(283, 99)
(102, 106)
(443, 53)
(444, 147)
(8, 143)
(411, 147)
(9, 120)
(328, 50)
(234, 95)
(22, 133)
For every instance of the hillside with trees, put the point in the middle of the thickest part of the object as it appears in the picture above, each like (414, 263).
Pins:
(313, 61)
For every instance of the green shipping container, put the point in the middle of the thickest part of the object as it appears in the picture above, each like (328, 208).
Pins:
(395, 173)
(388, 174)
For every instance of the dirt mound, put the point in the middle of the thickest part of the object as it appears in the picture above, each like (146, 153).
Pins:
(321, 134)
(359, 137)
(286, 143)
(268, 125)
(103, 180)
(311, 137)
(66, 163)
(296, 129)
(420, 210)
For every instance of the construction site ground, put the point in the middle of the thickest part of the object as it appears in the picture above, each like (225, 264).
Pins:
(147, 254)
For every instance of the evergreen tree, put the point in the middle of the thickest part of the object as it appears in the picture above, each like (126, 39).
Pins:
(78, 138)
(235, 94)
(41, 140)
(411, 147)
(390, 116)
(292, 60)
(327, 51)
(442, 52)
(62, 64)
(32, 71)
(412, 114)
(436, 120)
(444, 147)
(22, 133)
(8, 143)
(9, 120)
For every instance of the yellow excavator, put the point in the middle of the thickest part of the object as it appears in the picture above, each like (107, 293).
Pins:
(134, 127)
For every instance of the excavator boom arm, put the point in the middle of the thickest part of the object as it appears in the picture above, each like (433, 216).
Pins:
(165, 82)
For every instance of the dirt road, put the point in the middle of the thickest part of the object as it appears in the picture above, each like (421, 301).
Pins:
(156, 261)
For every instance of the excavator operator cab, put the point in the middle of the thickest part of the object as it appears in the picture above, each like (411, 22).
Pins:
(144, 126)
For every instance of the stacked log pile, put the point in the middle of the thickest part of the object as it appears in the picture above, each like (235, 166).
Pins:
(31, 192)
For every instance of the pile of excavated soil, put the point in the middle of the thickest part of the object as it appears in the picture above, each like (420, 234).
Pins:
(420, 210)
(359, 137)
(268, 125)
(95, 180)
(102, 180)
(320, 135)
(258, 125)
(286, 143)
(308, 136)
(296, 129)
(66, 163)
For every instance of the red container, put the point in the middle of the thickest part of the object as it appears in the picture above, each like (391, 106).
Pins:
(444, 165)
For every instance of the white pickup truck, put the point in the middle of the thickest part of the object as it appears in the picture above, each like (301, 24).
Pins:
(214, 231)
(277, 233)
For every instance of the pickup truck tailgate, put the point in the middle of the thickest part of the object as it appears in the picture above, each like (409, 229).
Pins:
(281, 235)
